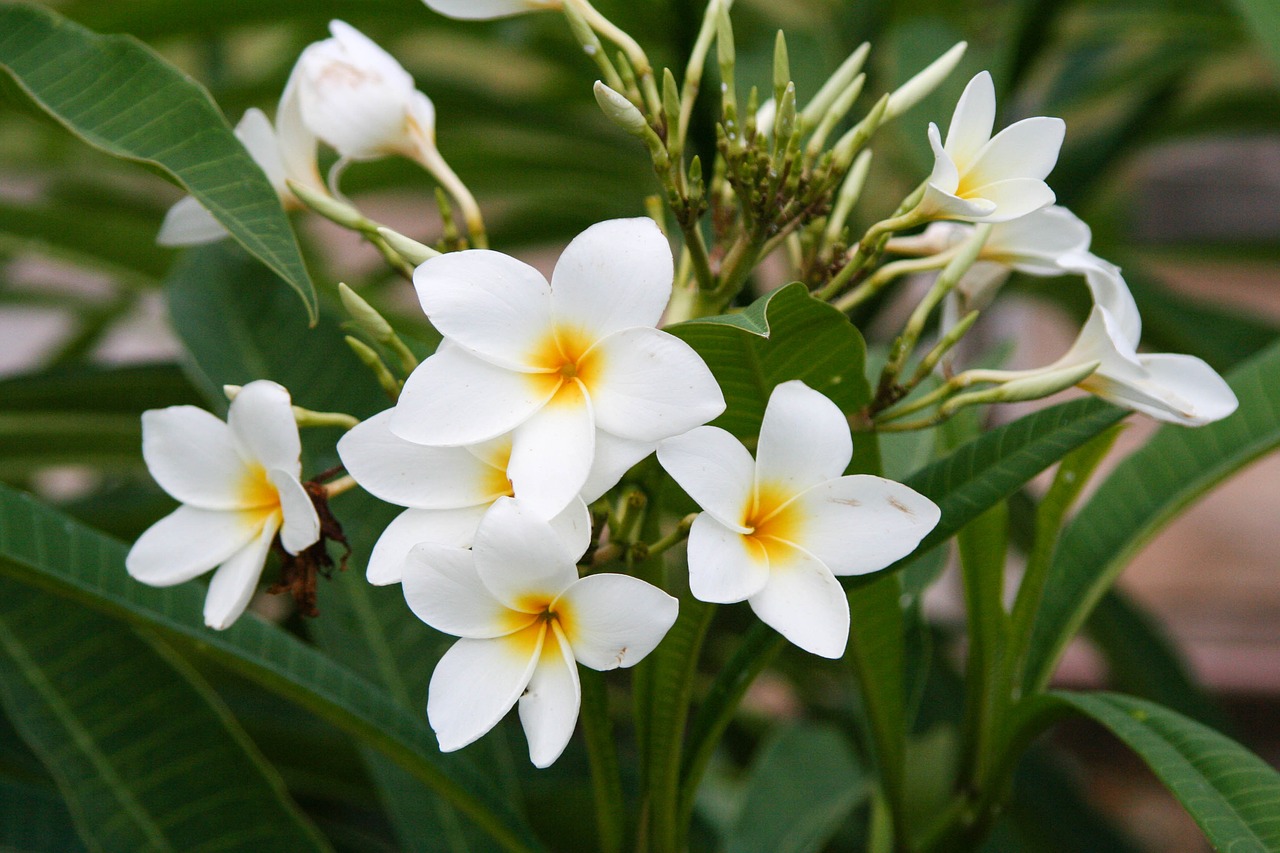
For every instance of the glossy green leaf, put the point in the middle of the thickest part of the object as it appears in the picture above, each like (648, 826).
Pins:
(142, 749)
(130, 389)
(806, 339)
(1143, 494)
(42, 547)
(1233, 795)
(803, 785)
(33, 819)
(119, 96)
(986, 470)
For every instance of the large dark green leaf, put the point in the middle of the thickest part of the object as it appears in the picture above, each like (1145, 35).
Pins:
(42, 547)
(119, 96)
(991, 467)
(1143, 494)
(786, 334)
(803, 785)
(1232, 794)
(145, 754)
(33, 819)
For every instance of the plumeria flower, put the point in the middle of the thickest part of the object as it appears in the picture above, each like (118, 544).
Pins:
(1179, 389)
(777, 530)
(980, 178)
(448, 490)
(477, 10)
(188, 223)
(239, 486)
(526, 620)
(575, 370)
(357, 99)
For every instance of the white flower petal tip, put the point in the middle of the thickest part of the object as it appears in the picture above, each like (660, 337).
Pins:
(556, 363)
(978, 177)
(238, 485)
(526, 621)
(481, 10)
(355, 97)
(777, 530)
(1178, 389)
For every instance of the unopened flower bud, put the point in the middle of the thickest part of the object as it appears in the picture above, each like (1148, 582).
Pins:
(620, 111)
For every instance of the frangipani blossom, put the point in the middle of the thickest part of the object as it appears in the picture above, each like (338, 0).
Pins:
(776, 530)
(357, 99)
(188, 223)
(239, 485)
(478, 10)
(1179, 389)
(573, 370)
(447, 491)
(526, 620)
(980, 178)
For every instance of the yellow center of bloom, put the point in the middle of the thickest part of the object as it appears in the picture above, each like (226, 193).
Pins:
(496, 481)
(530, 621)
(564, 353)
(256, 490)
(773, 519)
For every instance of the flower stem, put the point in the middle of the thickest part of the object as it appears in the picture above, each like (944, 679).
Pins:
(602, 755)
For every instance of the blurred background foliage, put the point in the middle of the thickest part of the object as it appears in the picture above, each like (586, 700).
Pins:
(81, 278)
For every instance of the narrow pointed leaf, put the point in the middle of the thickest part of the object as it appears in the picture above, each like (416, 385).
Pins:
(119, 96)
(144, 752)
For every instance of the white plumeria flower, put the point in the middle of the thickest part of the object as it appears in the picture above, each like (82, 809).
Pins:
(478, 10)
(357, 99)
(980, 178)
(777, 530)
(573, 370)
(188, 223)
(1174, 388)
(448, 489)
(239, 485)
(526, 619)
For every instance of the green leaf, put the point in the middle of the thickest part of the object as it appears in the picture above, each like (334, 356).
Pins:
(988, 469)
(1052, 815)
(1263, 19)
(1143, 494)
(40, 546)
(119, 96)
(130, 390)
(803, 785)
(784, 335)
(1232, 794)
(33, 819)
(144, 752)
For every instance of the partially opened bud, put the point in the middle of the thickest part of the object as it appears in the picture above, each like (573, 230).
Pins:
(479, 10)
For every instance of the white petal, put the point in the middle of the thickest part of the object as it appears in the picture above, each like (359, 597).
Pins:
(1010, 199)
(615, 275)
(614, 457)
(259, 138)
(454, 398)
(477, 10)
(1109, 290)
(417, 475)
(859, 524)
(488, 303)
(573, 526)
(263, 428)
(301, 528)
(455, 528)
(236, 580)
(941, 203)
(716, 471)
(1034, 243)
(647, 385)
(614, 620)
(551, 453)
(444, 590)
(1025, 149)
(803, 602)
(188, 223)
(549, 706)
(804, 440)
(520, 557)
(972, 121)
(724, 565)
(1173, 388)
(945, 176)
(191, 454)
(477, 682)
(189, 541)
(296, 141)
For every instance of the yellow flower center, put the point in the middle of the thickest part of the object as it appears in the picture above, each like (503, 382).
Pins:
(256, 489)
(564, 354)
(773, 520)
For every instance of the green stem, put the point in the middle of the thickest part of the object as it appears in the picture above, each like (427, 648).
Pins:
(602, 756)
